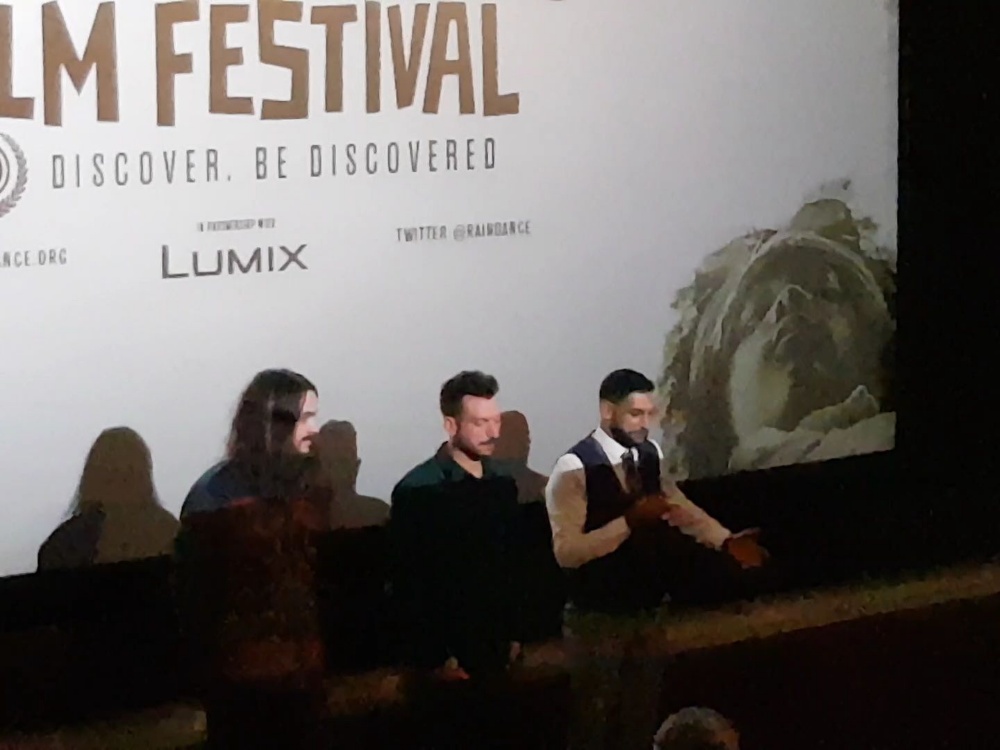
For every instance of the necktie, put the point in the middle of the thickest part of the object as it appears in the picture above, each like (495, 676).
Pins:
(633, 482)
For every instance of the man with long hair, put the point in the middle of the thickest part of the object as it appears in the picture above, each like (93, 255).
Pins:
(246, 570)
(267, 454)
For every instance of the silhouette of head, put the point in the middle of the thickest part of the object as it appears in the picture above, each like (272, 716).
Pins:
(274, 426)
(471, 414)
(628, 406)
(337, 449)
(118, 472)
(514, 443)
(696, 728)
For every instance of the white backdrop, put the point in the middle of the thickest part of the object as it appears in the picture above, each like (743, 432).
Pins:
(650, 133)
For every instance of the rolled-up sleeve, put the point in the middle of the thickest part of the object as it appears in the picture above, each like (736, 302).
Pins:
(566, 503)
(704, 529)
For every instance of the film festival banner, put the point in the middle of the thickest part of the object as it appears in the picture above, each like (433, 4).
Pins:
(380, 194)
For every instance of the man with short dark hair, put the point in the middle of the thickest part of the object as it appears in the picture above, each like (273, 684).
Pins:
(621, 528)
(627, 537)
(452, 522)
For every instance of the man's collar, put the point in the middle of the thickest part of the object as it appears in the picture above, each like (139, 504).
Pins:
(612, 447)
(453, 471)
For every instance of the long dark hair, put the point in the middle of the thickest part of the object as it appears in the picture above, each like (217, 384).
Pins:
(260, 439)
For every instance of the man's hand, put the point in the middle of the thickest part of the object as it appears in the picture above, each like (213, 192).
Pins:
(450, 671)
(680, 515)
(745, 549)
(646, 510)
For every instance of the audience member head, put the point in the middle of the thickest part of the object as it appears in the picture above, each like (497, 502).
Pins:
(628, 406)
(514, 443)
(273, 429)
(471, 414)
(696, 728)
(118, 472)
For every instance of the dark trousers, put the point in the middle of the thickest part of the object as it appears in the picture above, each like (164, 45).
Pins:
(617, 674)
(616, 680)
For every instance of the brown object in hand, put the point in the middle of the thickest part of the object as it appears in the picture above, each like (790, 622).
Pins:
(451, 671)
(646, 510)
(745, 549)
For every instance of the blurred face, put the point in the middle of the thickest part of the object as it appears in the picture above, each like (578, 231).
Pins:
(306, 428)
(632, 417)
(476, 430)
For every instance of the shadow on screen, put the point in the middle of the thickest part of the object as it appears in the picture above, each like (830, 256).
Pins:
(513, 447)
(116, 514)
(543, 585)
(339, 464)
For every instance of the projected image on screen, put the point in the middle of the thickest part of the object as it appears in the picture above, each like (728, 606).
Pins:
(782, 353)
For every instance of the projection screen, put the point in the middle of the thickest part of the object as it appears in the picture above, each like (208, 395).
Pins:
(379, 195)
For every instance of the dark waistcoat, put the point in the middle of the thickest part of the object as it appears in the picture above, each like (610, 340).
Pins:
(629, 579)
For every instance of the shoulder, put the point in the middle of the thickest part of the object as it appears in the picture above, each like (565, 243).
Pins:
(567, 465)
(573, 459)
(567, 462)
(213, 490)
(421, 476)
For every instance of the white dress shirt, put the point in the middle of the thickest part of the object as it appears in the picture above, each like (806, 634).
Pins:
(566, 502)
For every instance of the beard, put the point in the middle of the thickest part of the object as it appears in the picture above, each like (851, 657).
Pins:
(475, 452)
(632, 439)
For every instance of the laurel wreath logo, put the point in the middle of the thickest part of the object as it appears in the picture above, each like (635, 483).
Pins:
(8, 202)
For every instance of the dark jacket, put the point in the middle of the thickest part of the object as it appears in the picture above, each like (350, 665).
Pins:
(455, 570)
